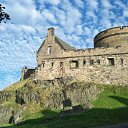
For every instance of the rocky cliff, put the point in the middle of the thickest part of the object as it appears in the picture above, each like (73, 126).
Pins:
(51, 94)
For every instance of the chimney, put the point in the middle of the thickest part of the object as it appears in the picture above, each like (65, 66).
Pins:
(50, 32)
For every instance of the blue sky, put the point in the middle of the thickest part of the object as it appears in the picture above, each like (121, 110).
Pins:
(75, 21)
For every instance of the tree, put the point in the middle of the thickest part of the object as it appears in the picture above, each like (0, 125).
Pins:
(3, 15)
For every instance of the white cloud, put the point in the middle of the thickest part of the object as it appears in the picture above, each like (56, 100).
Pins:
(53, 2)
(78, 30)
(22, 12)
(107, 14)
(48, 16)
(106, 4)
(91, 8)
(59, 14)
(79, 3)
(87, 30)
(125, 13)
(73, 18)
(92, 4)
(95, 32)
(18, 47)
(120, 4)
(92, 15)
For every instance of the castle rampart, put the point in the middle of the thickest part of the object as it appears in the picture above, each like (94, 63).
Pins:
(103, 68)
(113, 37)
(106, 63)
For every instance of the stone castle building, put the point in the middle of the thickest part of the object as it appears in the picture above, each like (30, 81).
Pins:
(106, 63)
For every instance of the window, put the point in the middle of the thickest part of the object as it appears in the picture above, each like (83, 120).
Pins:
(74, 64)
(49, 50)
(111, 61)
(52, 64)
(61, 64)
(43, 64)
(122, 61)
(98, 62)
(91, 62)
(39, 67)
(84, 62)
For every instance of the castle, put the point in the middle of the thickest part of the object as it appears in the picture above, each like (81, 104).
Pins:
(106, 63)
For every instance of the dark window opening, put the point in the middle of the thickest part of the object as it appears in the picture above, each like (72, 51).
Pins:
(39, 65)
(98, 61)
(111, 61)
(84, 62)
(122, 61)
(52, 64)
(61, 64)
(91, 62)
(74, 64)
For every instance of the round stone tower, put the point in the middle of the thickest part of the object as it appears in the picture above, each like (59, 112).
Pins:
(112, 37)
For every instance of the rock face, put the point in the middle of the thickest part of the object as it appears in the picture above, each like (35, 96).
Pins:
(48, 94)
(5, 96)
(5, 113)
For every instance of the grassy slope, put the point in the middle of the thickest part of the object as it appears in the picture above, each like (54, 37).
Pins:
(110, 108)
(16, 85)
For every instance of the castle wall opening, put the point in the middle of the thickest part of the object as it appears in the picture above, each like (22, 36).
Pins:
(74, 64)
(111, 61)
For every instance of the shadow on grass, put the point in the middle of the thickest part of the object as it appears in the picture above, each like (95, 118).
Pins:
(87, 119)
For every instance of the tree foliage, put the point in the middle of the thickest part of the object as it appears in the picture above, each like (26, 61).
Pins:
(3, 15)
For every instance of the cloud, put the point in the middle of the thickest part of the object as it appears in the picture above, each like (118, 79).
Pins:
(71, 12)
(20, 11)
(17, 46)
(106, 4)
(53, 2)
(87, 30)
(79, 3)
(92, 4)
(48, 16)
(120, 4)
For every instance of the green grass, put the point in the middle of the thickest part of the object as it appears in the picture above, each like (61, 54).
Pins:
(110, 108)
(16, 85)
(111, 97)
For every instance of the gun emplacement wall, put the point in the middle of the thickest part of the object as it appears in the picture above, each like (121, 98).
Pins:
(112, 37)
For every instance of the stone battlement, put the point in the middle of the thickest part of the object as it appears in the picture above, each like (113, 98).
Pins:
(111, 37)
(99, 51)
(106, 63)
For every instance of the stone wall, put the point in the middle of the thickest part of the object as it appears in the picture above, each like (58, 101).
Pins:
(27, 73)
(50, 46)
(99, 65)
(112, 37)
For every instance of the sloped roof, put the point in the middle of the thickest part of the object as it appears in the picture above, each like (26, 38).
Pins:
(63, 44)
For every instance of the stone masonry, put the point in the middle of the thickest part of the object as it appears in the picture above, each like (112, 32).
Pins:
(106, 63)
